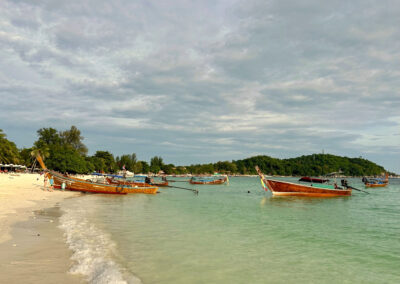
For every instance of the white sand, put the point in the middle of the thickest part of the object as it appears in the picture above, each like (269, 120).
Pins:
(32, 247)
(21, 191)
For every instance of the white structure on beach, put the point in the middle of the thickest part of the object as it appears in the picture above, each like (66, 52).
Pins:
(11, 167)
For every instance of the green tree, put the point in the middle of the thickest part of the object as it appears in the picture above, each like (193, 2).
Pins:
(47, 137)
(312, 165)
(109, 163)
(64, 150)
(145, 168)
(226, 167)
(180, 170)
(99, 164)
(74, 139)
(138, 168)
(9, 153)
(25, 157)
(156, 163)
(168, 169)
(66, 159)
(129, 161)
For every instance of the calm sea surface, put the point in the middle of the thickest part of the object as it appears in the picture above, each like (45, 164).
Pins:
(227, 235)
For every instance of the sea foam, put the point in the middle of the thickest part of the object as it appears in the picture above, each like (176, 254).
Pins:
(94, 252)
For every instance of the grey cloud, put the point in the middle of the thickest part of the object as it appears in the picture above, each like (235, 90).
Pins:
(206, 81)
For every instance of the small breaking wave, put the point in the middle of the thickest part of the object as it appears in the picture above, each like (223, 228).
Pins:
(94, 252)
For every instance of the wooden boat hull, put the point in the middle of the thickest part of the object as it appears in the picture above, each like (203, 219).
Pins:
(132, 183)
(283, 188)
(280, 188)
(376, 184)
(217, 181)
(75, 184)
(160, 184)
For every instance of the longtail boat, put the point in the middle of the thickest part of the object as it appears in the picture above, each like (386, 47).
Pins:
(126, 182)
(161, 183)
(76, 184)
(136, 183)
(208, 180)
(376, 182)
(283, 188)
(311, 179)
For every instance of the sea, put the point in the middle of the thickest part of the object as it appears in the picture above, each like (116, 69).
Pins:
(235, 233)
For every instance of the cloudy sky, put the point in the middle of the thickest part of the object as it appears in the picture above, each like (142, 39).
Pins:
(202, 81)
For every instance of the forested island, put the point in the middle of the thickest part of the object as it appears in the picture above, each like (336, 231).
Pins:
(64, 151)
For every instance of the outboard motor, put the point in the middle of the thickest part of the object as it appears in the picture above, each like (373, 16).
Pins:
(147, 180)
(344, 183)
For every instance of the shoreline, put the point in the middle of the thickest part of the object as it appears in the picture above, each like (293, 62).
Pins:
(37, 252)
(24, 191)
(33, 246)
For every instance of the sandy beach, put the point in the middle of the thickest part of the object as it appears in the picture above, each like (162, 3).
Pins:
(32, 247)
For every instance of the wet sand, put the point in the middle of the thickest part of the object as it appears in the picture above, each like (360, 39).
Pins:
(32, 247)
(37, 252)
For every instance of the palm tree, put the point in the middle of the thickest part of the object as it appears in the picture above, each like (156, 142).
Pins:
(43, 152)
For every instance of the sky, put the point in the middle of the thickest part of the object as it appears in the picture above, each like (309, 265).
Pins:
(204, 81)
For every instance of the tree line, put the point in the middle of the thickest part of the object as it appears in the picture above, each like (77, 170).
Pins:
(64, 151)
(310, 165)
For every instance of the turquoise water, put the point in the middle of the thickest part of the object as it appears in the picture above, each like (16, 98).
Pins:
(227, 235)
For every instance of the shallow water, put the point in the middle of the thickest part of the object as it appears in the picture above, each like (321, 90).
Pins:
(227, 235)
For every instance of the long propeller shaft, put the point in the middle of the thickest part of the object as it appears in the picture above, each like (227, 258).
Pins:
(194, 190)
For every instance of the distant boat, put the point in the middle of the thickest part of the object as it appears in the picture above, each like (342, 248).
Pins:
(376, 182)
(311, 179)
(208, 180)
(283, 188)
(161, 183)
(76, 184)
(136, 183)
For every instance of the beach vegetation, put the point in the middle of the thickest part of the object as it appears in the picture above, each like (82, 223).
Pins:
(144, 166)
(65, 159)
(156, 164)
(9, 153)
(73, 139)
(65, 151)
(127, 161)
(104, 162)
(168, 169)
(310, 165)
(26, 157)
(47, 137)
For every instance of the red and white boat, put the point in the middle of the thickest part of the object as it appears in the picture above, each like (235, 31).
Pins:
(284, 188)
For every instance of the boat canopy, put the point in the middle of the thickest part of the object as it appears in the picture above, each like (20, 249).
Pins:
(108, 175)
